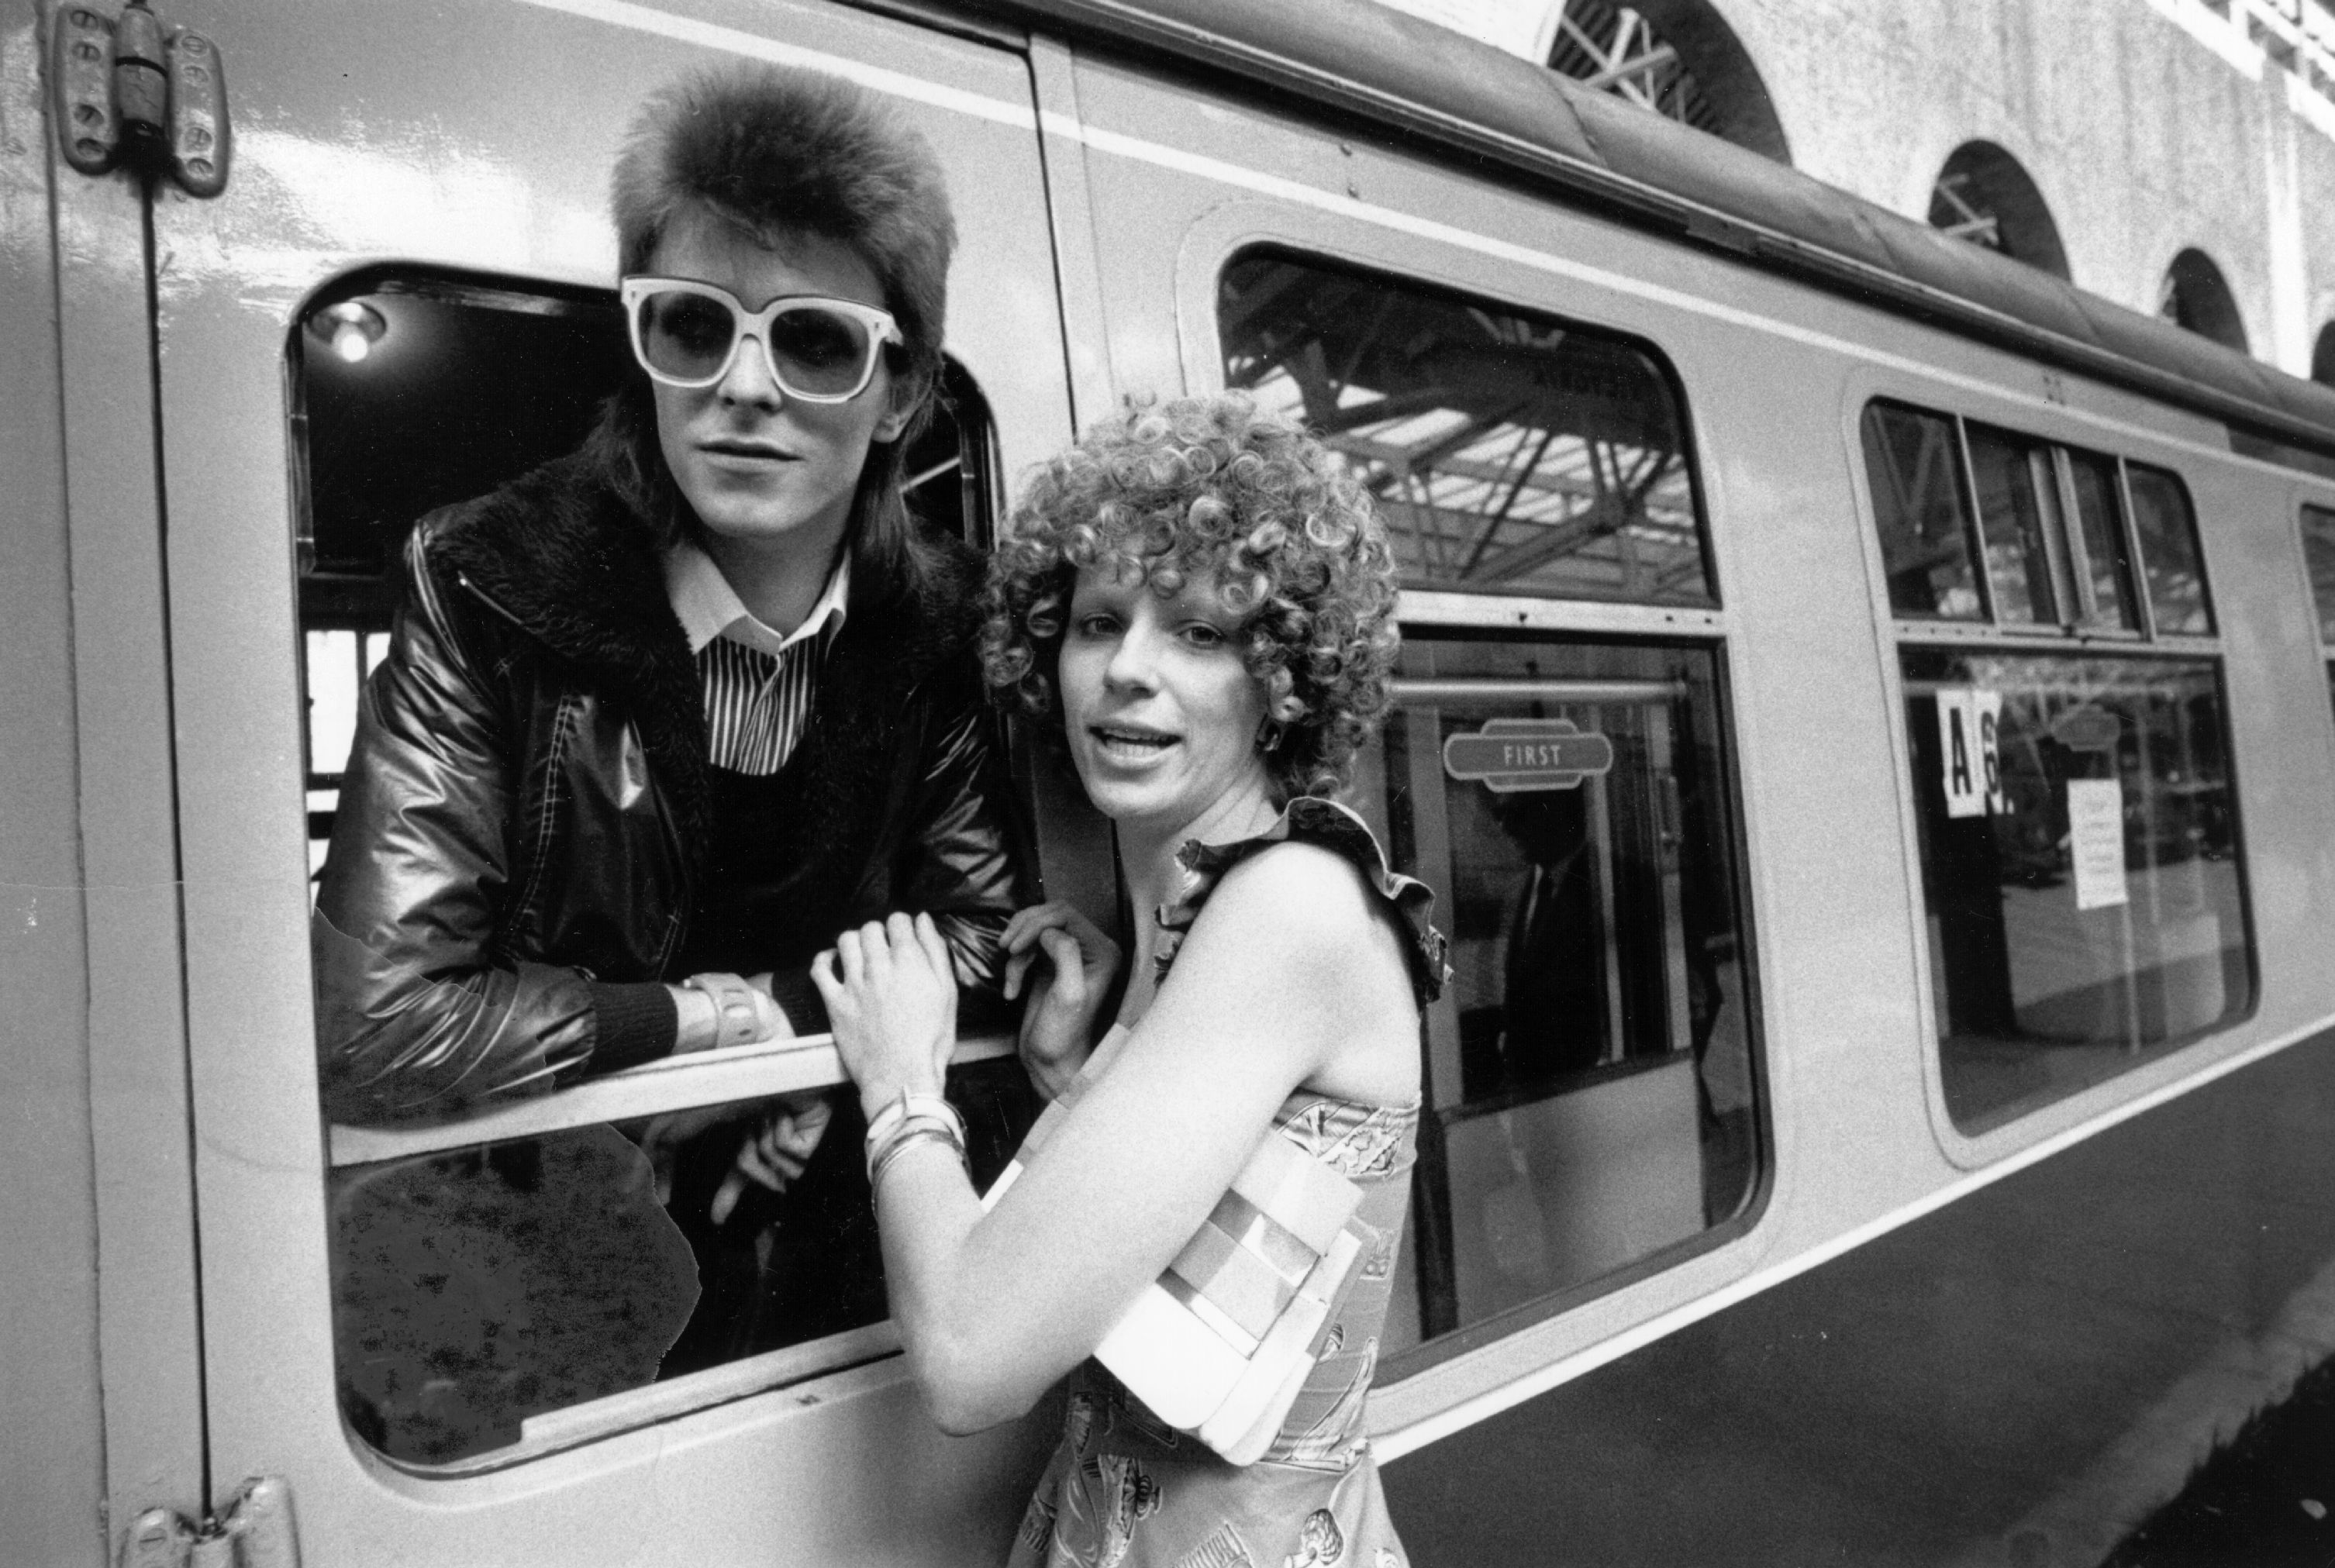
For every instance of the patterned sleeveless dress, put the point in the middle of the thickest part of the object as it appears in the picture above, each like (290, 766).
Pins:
(1126, 1490)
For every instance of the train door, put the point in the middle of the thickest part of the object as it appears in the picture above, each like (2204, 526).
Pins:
(404, 296)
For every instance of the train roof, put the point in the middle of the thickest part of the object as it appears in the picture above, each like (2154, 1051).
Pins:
(1441, 87)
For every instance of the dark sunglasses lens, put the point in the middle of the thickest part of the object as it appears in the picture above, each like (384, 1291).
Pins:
(686, 335)
(820, 351)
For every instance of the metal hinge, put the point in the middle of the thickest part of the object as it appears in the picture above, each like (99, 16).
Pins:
(127, 92)
(253, 1531)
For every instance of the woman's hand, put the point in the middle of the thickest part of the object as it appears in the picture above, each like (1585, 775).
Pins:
(891, 997)
(1065, 992)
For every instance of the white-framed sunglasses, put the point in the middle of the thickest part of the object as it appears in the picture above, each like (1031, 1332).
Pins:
(686, 334)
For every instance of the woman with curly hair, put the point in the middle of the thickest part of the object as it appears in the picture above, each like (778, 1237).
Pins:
(1198, 603)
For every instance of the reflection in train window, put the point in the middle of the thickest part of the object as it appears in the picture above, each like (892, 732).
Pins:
(1508, 451)
(2078, 842)
(1589, 1070)
(488, 1296)
(1922, 511)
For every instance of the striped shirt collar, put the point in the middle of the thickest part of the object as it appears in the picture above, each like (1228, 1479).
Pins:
(708, 608)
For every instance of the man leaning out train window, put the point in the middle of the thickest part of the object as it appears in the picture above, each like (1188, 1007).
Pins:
(660, 718)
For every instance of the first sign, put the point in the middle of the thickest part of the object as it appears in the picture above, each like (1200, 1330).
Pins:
(1511, 754)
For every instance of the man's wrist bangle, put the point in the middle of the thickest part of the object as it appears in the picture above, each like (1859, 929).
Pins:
(737, 1012)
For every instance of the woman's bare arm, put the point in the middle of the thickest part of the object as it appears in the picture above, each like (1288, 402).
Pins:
(1290, 977)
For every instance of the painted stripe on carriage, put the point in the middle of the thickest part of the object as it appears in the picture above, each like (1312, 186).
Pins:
(758, 47)
(1513, 1390)
(1052, 122)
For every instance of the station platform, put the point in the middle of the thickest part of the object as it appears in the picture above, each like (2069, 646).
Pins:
(2025, 1378)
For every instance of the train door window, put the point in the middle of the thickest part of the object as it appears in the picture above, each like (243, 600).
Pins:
(1588, 1072)
(464, 1336)
(2076, 819)
(1508, 451)
(2318, 555)
(1921, 505)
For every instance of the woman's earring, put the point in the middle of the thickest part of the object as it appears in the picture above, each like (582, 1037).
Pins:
(1270, 733)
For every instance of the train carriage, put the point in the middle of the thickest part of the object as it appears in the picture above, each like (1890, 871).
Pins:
(1864, 710)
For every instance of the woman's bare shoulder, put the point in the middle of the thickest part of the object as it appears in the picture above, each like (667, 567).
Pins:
(1307, 904)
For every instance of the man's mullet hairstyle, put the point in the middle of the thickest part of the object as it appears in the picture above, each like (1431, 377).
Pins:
(774, 150)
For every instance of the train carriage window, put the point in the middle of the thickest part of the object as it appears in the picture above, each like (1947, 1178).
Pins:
(2079, 844)
(2018, 518)
(497, 1298)
(1921, 507)
(1589, 1073)
(2167, 530)
(1508, 451)
(2075, 819)
(2318, 555)
(2104, 576)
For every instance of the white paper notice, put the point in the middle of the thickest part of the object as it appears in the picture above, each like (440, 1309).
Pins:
(2096, 841)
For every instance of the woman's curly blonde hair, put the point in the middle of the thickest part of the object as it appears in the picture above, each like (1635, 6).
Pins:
(1203, 487)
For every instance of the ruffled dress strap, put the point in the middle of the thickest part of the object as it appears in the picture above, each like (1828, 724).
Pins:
(1327, 825)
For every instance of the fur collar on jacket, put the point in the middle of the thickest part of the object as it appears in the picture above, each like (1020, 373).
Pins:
(556, 552)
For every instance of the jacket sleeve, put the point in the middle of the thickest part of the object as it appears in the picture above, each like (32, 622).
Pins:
(417, 1017)
(961, 858)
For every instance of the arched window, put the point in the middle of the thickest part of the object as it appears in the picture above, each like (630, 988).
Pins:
(2196, 296)
(1983, 195)
(2322, 356)
(1676, 57)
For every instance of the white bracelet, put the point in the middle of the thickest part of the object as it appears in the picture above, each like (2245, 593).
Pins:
(737, 1008)
(910, 1133)
(917, 1105)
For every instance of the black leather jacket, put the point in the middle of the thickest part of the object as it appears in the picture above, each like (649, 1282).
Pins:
(524, 820)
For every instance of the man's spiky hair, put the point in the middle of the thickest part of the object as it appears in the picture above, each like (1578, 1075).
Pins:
(772, 148)
(776, 150)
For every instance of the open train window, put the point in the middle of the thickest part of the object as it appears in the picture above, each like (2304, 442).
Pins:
(2319, 554)
(412, 390)
(504, 1290)
(1508, 451)
(2076, 819)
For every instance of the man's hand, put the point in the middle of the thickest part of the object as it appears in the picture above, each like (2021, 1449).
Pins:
(775, 1152)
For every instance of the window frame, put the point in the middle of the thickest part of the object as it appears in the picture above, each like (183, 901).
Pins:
(718, 1076)
(1985, 1144)
(1376, 268)
(1550, 617)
